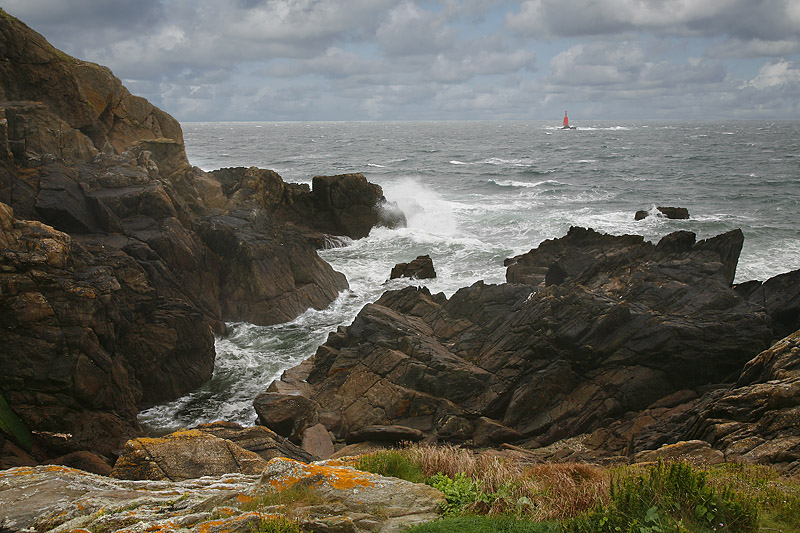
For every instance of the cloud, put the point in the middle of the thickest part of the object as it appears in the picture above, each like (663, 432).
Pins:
(743, 19)
(776, 74)
(409, 30)
(437, 59)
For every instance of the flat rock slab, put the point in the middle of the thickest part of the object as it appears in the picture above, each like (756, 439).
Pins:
(393, 434)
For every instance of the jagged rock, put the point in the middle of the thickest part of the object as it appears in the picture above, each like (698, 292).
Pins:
(48, 498)
(185, 454)
(420, 268)
(668, 212)
(626, 325)
(393, 434)
(754, 420)
(258, 439)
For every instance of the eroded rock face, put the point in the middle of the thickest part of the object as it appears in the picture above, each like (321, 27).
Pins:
(118, 259)
(754, 420)
(590, 328)
(70, 108)
(48, 497)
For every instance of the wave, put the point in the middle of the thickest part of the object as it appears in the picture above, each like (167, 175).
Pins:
(456, 162)
(523, 184)
(375, 165)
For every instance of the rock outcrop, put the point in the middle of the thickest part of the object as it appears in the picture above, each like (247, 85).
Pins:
(677, 213)
(590, 330)
(336, 499)
(420, 268)
(118, 258)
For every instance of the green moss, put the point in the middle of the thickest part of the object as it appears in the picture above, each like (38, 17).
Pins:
(277, 525)
(292, 497)
(11, 425)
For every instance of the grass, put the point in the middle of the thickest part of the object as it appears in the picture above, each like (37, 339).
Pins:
(278, 524)
(484, 524)
(487, 492)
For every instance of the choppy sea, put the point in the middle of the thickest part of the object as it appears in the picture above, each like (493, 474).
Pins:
(478, 192)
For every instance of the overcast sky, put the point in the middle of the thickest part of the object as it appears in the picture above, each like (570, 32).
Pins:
(435, 60)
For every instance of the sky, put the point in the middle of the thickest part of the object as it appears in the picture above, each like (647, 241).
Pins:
(278, 60)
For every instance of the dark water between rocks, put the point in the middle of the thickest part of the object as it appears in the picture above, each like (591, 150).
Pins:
(478, 192)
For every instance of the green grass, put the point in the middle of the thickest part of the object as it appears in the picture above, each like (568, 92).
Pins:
(484, 524)
(278, 524)
(391, 463)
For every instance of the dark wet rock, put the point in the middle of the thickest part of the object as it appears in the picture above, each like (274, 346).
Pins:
(623, 327)
(677, 213)
(420, 268)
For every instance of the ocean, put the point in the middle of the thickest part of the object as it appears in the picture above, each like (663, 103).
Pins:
(478, 192)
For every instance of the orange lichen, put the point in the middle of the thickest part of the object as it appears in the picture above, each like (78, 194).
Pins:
(337, 477)
(244, 498)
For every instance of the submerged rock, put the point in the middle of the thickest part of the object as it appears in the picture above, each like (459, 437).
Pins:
(420, 268)
(668, 212)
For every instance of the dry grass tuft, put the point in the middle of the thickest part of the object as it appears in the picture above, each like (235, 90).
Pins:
(555, 491)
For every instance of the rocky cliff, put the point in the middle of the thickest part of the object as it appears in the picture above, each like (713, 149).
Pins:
(590, 332)
(118, 258)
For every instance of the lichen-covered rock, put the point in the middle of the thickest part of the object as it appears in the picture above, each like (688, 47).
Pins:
(185, 454)
(61, 499)
(401, 502)
(258, 439)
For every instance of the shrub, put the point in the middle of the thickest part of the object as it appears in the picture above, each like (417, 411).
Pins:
(669, 497)
(459, 491)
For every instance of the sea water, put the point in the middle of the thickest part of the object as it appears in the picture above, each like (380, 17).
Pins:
(476, 193)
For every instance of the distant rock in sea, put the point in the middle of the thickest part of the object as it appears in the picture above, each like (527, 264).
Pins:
(667, 212)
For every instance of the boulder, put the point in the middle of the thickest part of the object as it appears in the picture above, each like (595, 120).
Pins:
(287, 415)
(317, 441)
(185, 454)
(696, 452)
(420, 268)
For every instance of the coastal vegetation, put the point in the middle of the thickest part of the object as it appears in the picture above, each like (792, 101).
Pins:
(485, 492)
